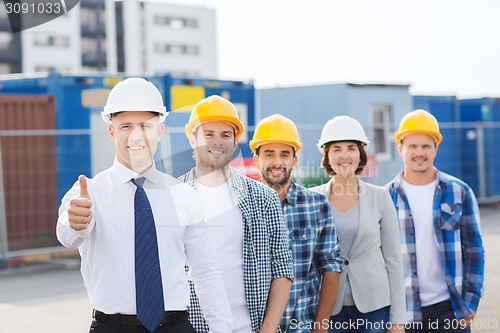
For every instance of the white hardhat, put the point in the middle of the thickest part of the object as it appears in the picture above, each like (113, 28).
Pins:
(342, 128)
(134, 94)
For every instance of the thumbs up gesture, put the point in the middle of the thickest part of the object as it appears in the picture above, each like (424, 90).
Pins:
(79, 211)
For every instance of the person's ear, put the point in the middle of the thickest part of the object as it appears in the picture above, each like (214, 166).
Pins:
(160, 132)
(111, 132)
(256, 160)
(192, 141)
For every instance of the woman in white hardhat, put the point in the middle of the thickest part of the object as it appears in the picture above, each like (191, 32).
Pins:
(371, 288)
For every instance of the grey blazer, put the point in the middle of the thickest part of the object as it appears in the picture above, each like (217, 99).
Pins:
(375, 266)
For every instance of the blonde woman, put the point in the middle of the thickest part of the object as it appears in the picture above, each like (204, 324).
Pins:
(371, 297)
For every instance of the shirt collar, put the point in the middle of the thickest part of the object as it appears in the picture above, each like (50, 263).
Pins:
(291, 195)
(124, 174)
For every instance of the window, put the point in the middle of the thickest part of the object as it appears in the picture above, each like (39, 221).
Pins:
(192, 49)
(5, 40)
(161, 48)
(161, 20)
(176, 48)
(89, 21)
(4, 68)
(381, 131)
(176, 22)
(101, 16)
(89, 49)
(191, 23)
(51, 40)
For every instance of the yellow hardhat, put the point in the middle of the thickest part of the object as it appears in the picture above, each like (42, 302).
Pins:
(275, 129)
(419, 121)
(214, 108)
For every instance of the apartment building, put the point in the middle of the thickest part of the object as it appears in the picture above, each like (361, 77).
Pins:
(150, 38)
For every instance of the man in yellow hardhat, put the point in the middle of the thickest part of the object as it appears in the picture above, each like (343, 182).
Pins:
(245, 219)
(441, 241)
(314, 243)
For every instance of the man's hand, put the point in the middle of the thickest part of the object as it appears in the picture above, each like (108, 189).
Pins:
(79, 211)
(396, 328)
(468, 321)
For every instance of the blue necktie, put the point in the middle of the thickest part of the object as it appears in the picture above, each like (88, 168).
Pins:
(148, 286)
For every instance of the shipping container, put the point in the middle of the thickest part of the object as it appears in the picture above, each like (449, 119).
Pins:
(79, 141)
(72, 120)
(28, 170)
(479, 120)
(446, 111)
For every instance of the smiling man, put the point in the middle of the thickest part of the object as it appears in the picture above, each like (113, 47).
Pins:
(135, 229)
(245, 221)
(311, 229)
(441, 241)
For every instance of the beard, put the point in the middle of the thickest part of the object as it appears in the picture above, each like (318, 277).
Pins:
(274, 181)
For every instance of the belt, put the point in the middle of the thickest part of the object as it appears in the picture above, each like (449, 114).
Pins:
(171, 317)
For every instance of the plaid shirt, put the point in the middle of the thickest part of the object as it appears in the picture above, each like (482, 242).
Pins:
(266, 251)
(456, 225)
(315, 250)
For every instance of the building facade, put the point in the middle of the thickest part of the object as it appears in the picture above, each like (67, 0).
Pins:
(151, 38)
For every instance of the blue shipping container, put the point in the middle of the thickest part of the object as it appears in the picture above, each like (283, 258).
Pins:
(445, 109)
(481, 114)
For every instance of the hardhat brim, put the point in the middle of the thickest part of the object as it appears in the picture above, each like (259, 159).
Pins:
(191, 126)
(401, 135)
(254, 144)
(107, 116)
(322, 143)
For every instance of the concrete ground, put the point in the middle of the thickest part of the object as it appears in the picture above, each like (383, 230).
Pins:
(488, 314)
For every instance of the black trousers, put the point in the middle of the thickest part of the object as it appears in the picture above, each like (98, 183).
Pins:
(180, 327)
(438, 318)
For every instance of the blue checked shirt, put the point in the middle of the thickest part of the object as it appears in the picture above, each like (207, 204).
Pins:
(266, 252)
(315, 249)
(456, 223)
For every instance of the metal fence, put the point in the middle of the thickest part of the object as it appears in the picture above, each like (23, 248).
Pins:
(30, 177)
(39, 167)
(469, 151)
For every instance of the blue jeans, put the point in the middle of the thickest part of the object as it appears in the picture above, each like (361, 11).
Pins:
(437, 318)
(350, 320)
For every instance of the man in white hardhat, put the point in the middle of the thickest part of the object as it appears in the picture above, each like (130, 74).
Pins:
(135, 229)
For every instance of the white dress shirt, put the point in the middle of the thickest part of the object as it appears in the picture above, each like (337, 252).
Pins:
(107, 244)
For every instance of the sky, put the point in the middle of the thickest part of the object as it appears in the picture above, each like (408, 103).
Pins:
(438, 47)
